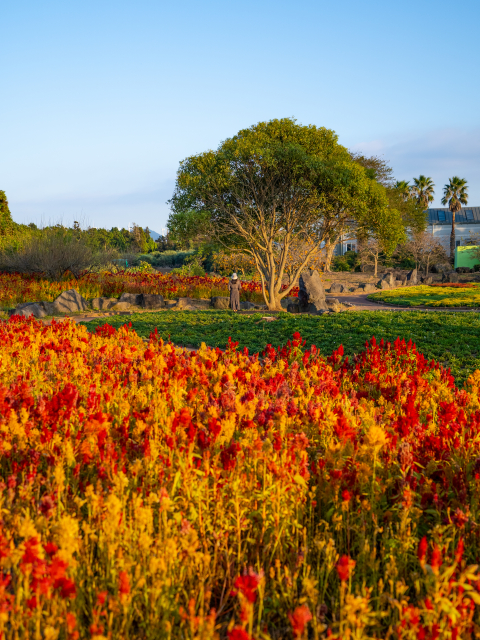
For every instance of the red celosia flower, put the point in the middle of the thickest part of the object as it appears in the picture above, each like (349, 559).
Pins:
(344, 568)
(124, 583)
(50, 548)
(247, 585)
(237, 633)
(66, 587)
(346, 495)
(422, 550)
(101, 597)
(436, 560)
(459, 551)
(299, 618)
(32, 602)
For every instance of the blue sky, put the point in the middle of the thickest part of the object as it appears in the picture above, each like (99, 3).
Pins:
(101, 99)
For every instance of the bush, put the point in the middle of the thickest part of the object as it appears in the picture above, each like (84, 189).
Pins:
(54, 253)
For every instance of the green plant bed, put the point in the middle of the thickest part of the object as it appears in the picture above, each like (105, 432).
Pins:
(431, 296)
(452, 339)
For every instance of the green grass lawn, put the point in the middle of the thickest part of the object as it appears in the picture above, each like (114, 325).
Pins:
(424, 295)
(453, 339)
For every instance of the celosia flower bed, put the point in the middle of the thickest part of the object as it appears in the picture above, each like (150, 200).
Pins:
(149, 492)
(447, 295)
(17, 288)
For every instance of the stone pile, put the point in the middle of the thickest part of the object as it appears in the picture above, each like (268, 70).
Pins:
(71, 301)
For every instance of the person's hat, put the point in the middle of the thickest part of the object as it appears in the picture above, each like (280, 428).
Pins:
(234, 276)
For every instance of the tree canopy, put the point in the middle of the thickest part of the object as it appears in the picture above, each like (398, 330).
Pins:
(272, 185)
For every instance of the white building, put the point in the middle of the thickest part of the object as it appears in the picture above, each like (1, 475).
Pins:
(467, 222)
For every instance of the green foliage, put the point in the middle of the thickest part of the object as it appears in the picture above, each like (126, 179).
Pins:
(348, 262)
(6, 222)
(423, 191)
(450, 338)
(193, 266)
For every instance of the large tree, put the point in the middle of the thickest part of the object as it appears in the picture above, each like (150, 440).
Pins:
(455, 193)
(423, 190)
(271, 186)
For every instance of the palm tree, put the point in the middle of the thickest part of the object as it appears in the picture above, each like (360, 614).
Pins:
(455, 193)
(423, 190)
(404, 188)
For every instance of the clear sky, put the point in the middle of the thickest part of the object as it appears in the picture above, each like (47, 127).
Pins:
(102, 99)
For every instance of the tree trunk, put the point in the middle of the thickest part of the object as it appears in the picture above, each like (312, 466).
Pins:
(375, 258)
(329, 249)
(452, 239)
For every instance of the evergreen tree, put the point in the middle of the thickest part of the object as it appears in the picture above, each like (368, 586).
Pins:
(6, 222)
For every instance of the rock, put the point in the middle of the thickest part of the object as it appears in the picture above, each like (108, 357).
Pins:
(367, 287)
(193, 303)
(331, 301)
(220, 302)
(247, 305)
(27, 309)
(288, 300)
(427, 280)
(336, 287)
(401, 277)
(311, 283)
(69, 302)
(450, 277)
(121, 306)
(412, 277)
(153, 301)
(389, 278)
(47, 307)
(398, 283)
(101, 304)
(357, 291)
(383, 284)
(134, 299)
(293, 307)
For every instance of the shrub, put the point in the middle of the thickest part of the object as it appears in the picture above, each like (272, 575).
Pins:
(56, 252)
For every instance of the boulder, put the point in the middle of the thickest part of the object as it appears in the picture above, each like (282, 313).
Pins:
(332, 301)
(357, 291)
(193, 303)
(412, 277)
(134, 299)
(383, 284)
(47, 307)
(293, 307)
(336, 287)
(220, 302)
(450, 277)
(401, 277)
(153, 301)
(427, 280)
(121, 306)
(288, 300)
(101, 304)
(389, 278)
(69, 302)
(311, 284)
(27, 309)
(247, 305)
(398, 283)
(367, 287)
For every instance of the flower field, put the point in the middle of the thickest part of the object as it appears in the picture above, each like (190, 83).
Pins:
(149, 492)
(434, 295)
(17, 288)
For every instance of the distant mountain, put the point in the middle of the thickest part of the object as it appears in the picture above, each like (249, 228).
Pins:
(154, 235)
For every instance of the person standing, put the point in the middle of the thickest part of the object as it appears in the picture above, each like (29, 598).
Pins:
(234, 288)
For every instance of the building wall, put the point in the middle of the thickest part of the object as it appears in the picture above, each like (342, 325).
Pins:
(463, 233)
